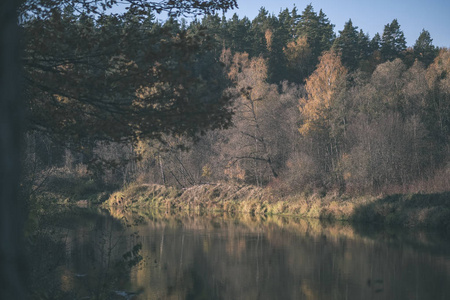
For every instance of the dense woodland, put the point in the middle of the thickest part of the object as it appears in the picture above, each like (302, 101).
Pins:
(279, 101)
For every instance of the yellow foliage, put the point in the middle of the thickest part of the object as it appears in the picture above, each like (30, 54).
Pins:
(206, 171)
(144, 93)
(297, 52)
(249, 73)
(269, 37)
(235, 172)
(239, 63)
(321, 88)
(438, 72)
(62, 99)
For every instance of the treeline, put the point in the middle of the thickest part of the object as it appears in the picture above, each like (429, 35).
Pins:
(311, 111)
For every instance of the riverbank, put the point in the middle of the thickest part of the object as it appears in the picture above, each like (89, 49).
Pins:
(415, 210)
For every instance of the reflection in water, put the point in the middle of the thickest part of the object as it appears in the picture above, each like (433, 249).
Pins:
(223, 257)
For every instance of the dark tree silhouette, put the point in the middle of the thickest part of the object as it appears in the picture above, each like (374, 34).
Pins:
(11, 211)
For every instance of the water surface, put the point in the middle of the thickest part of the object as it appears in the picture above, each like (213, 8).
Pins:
(89, 255)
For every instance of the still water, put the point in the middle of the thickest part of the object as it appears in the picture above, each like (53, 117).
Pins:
(92, 255)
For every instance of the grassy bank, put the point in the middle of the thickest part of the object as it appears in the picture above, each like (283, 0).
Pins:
(418, 210)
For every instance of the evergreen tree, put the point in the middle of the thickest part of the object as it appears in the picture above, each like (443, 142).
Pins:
(318, 31)
(347, 45)
(118, 77)
(260, 24)
(288, 20)
(326, 32)
(424, 49)
(364, 46)
(393, 42)
(375, 43)
(239, 38)
(214, 27)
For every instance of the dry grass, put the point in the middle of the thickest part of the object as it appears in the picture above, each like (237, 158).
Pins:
(431, 210)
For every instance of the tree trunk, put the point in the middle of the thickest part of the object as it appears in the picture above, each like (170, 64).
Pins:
(12, 262)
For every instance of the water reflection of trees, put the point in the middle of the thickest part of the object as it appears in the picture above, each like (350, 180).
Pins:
(77, 253)
(243, 257)
(280, 258)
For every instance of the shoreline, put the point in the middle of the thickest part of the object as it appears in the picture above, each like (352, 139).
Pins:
(409, 211)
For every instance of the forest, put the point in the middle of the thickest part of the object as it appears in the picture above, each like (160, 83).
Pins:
(279, 101)
(95, 100)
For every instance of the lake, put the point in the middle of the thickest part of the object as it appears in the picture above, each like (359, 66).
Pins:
(93, 254)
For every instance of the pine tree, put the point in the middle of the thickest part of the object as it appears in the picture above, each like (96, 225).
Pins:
(424, 49)
(260, 24)
(239, 38)
(375, 43)
(393, 42)
(318, 31)
(347, 45)
(364, 46)
(288, 20)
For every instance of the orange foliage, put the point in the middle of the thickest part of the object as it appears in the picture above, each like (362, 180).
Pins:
(439, 70)
(321, 88)
(297, 52)
(269, 38)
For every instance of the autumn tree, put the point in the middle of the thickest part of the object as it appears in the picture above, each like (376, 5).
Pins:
(298, 55)
(387, 80)
(258, 141)
(323, 110)
(437, 106)
(388, 143)
(322, 89)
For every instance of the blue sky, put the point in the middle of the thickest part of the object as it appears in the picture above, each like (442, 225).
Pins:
(370, 15)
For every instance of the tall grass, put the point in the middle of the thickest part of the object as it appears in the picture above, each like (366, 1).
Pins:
(424, 210)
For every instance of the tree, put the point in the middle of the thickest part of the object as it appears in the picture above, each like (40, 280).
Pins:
(386, 151)
(298, 54)
(437, 106)
(363, 46)
(424, 49)
(239, 38)
(252, 145)
(393, 42)
(347, 45)
(41, 14)
(121, 76)
(288, 20)
(261, 24)
(375, 42)
(44, 8)
(324, 112)
(318, 31)
(388, 82)
(322, 88)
